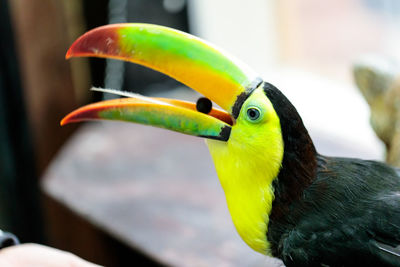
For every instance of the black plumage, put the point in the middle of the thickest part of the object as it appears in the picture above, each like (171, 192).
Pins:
(330, 211)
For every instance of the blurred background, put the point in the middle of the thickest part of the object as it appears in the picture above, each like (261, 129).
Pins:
(97, 189)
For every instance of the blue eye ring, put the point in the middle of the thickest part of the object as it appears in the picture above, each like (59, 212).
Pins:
(253, 114)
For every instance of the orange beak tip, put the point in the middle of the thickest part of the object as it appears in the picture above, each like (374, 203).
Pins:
(64, 121)
(72, 52)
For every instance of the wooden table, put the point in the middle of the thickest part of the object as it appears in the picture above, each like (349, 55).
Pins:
(154, 190)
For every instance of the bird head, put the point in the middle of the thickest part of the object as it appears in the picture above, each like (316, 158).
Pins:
(245, 137)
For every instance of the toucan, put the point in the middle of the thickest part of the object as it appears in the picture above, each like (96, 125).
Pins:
(285, 199)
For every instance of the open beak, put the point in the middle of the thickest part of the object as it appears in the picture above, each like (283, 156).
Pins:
(188, 59)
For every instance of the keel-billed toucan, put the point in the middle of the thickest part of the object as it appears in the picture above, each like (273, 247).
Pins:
(285, 199)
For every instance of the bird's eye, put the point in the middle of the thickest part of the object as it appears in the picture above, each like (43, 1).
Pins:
(253, 113)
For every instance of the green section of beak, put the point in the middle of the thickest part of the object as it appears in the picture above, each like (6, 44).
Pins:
(188, 59)
(156, 113)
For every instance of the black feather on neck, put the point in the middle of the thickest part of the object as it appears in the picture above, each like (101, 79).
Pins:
(299, 162)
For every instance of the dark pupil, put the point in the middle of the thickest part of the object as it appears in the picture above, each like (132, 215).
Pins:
(253, 113)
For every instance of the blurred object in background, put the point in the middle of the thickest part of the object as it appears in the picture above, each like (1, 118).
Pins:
(42, 37)
(322, 37)
(20, 211)
(378, 79)
(247, 31)
(326, 38)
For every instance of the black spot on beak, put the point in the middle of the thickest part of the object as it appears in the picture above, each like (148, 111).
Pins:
(204, 105)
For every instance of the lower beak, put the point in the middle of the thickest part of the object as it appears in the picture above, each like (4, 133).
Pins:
(175, 115)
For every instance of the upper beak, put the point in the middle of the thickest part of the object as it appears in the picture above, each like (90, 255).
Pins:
(188, 59)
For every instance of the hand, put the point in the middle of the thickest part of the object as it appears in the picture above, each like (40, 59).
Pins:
(34, 255)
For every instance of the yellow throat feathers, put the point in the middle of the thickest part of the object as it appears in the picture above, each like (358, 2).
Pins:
(246, 166)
